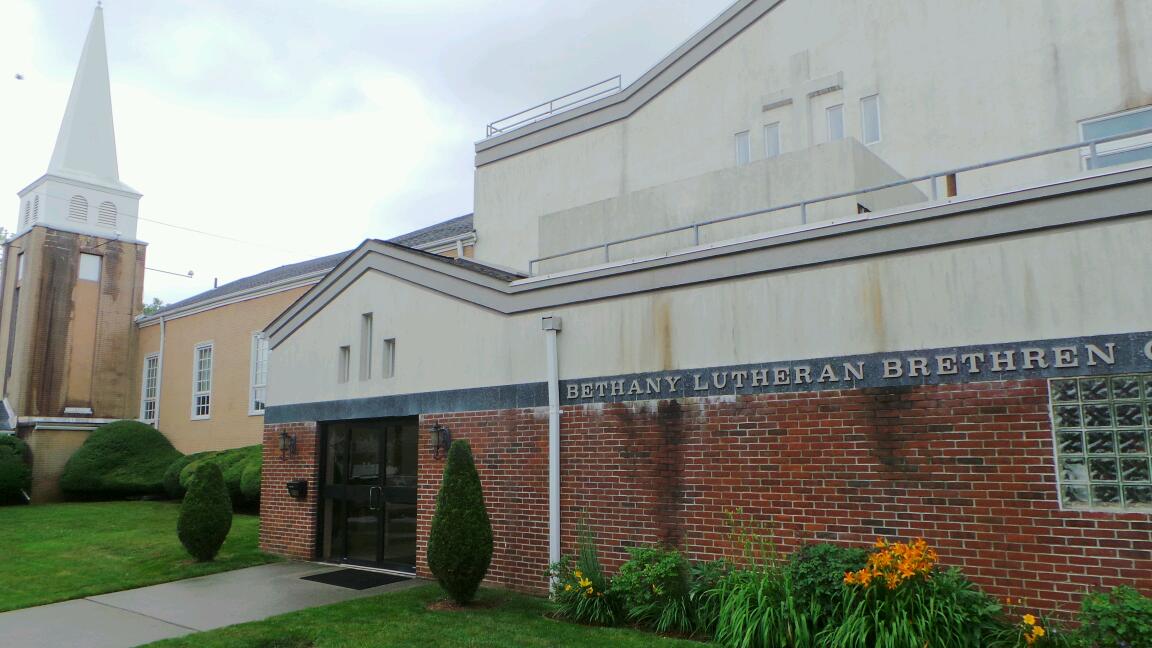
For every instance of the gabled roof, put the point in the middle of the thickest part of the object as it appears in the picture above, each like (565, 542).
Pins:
(450, 229)
(313, 269)
(701, 45)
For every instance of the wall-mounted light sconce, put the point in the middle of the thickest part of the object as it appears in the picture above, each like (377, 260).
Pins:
(441, 440)
(287, 444)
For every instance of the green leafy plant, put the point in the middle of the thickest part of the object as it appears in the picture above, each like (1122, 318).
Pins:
(1121, 618)
(702, 598)
(818, 570)
(580, 589)
(755, 603)
(15, 473)
(653, 586)
(234, 464)
(899, 599)
(1030, 631)
(205, 514)
(460, 540)
(758, 609)
(120, 459)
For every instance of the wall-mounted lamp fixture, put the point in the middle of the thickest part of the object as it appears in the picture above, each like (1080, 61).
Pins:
(441, 440)
(287, 444)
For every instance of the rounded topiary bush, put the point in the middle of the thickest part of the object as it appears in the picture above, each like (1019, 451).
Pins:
(460, 540)
(174, 486)
(120, 459)
(205, 514)
(15, 473)
(233, 464)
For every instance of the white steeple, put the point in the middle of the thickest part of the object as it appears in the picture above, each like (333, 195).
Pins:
(86, 145)
(82, 192)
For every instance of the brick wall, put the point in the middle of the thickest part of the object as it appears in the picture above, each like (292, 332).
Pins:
(968, 467)
(288, 525)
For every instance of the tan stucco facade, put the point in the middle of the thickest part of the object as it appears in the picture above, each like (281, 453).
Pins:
(229, 328)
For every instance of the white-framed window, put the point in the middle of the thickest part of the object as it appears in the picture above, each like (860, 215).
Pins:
(1120, 151)
(149, 388)
(366, 346)
(89, 267)
(835, 115)
(870, 119)
(743, 148)
(1101, 433)
(202, 381)
(258, 390)
(343, 369)
(772, 140)
(388, 369)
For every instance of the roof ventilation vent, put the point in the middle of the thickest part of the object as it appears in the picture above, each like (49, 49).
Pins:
(106, 216)
(78, 209)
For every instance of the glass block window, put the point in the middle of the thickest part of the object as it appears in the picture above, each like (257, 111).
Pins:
(1102, 441)
(202, 382)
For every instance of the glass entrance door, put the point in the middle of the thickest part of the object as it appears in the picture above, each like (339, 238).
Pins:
(369, 492)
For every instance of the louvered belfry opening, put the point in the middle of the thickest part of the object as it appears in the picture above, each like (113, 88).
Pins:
(106, 215)
(78, 209)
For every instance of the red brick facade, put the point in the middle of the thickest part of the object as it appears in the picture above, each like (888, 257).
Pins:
(288, 525)
(968, 467)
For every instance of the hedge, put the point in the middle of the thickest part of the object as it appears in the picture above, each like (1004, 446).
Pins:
(234, 465)
(15, 473)
(120, 459)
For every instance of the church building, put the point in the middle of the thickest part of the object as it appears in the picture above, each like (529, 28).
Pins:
(846, 269)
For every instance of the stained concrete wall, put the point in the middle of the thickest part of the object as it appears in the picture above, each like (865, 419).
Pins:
(1041, 285)
(959, 83)
(44, 341)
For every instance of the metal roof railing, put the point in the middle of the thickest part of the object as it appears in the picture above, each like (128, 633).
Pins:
(1089, 146)
(554, 106)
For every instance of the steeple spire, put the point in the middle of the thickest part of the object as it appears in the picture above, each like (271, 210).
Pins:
(86, 146)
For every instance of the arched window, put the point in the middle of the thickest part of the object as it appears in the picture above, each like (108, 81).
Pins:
(106, 216)
(78, 209)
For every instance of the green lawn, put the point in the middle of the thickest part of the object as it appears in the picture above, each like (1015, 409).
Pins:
(401, 619)
(56, 552)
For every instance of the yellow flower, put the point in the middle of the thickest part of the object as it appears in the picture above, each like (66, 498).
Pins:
(577, 574)
(584, 582)
(568, 588)
(1038, 631)
(1029, 619)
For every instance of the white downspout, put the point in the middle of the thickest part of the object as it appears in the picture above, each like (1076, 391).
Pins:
(552, 326)
(160, 372)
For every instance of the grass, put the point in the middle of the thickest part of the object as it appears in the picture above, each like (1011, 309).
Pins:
(401, 619)
(57, 552)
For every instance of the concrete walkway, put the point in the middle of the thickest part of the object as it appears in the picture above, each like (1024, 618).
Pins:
(134, 617)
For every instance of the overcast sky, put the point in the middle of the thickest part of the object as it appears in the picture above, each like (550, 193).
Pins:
(303, 127)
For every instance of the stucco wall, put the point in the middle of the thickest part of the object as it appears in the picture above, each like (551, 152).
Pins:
(959, 83)
(1049, 284)
(230, 330)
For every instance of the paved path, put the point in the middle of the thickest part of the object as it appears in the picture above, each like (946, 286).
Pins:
(134, 617)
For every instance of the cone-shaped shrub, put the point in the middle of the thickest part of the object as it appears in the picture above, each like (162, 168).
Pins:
(460, 541)
(205, 514)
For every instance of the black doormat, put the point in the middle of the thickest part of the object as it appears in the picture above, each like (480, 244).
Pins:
(356, 579)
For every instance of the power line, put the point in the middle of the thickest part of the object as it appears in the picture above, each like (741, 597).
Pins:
(219, 236)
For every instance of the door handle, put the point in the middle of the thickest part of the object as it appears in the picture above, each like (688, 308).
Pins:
(373, 502)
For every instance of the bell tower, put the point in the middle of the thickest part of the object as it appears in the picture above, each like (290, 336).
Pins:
(72, 281)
